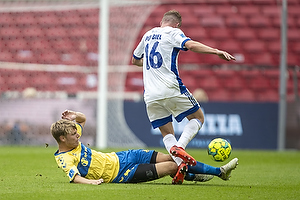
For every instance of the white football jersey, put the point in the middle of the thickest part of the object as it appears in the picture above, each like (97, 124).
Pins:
(160, 48)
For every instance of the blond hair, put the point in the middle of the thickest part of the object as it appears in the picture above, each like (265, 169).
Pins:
(172, 17)
(62, 127)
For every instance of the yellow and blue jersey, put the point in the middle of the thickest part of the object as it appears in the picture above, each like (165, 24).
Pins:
(88, 163)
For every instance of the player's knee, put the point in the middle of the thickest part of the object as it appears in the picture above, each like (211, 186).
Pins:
(144, 172)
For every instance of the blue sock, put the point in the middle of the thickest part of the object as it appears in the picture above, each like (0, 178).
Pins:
(201, 168)
(189, 177)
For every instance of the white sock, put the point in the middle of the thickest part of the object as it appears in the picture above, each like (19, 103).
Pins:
(169, 141)
(190, 130)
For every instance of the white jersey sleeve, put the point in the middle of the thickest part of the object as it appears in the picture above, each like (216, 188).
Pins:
(160, 48)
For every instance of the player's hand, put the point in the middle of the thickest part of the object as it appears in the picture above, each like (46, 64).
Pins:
(97, 182)
(225, 56)
(69, 115)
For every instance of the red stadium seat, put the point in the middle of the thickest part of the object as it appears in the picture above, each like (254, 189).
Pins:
(217, 2)
(269, 34)
(230, 45)
(226, 10)
(293, 34)
(134, 82)
(184, 10)
(263, 59)
(212, 21)
(240, 2)
(74, 58)
(7, 19)
(249, 10)
(190, 83)
(70, 18)
(25, 19)
(264, 2)
(245, 95)
(254, 46)
(47, 19)
(273, 76)
(294, 11)
(91, 19)
(202, 74)
(203, 10)
(49, 58)
(17, 44)
(224, 74)
(62, 45)
(274, 46)
(189, 57)
(190, 21)
(236, 21)
(259, 84)
(159, 11)
(244, 34)
(76, 33)
(55, 33)
(40, 44)
(209, 83)
(17, 81)
(296, 47)
(10, 32)
(196, 33)
(219, 33)
(43, 81)
(250, 74)
(220, 95)
(259, 22)
(31, 32)
(271, 11)
(7, 56)
(268, 96)
(234, 83)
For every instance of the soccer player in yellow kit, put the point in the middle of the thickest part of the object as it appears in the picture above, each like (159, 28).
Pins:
(84, 165)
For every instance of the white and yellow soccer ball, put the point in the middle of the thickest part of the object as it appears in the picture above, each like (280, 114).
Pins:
(219, 149)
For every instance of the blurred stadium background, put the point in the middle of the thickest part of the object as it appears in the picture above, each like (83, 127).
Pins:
(49, 60)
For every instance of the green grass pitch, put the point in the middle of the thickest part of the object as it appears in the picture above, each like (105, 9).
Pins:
(31, 173)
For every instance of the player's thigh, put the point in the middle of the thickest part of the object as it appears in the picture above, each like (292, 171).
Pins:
(185, 105)
(156, 110)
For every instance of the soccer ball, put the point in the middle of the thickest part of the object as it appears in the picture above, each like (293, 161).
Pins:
(219, 149)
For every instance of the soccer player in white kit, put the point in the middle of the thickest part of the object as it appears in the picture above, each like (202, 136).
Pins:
(165, 94)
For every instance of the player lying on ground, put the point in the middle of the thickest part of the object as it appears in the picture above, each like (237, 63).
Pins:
(84, 165)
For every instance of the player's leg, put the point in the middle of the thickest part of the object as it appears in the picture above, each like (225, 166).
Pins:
(203, 172)
(170, 143)
(191, 129)
(161, 118)
(150, 172)
(169, 139)
(202, 168)
(186, 107)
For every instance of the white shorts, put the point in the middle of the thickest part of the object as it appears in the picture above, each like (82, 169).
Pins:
(160, 111)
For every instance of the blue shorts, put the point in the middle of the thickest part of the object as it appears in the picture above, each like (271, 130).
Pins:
(129, 161)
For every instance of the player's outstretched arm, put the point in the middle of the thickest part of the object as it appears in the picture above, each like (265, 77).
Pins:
(79, 179)
(72, 115)
(202, 48)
